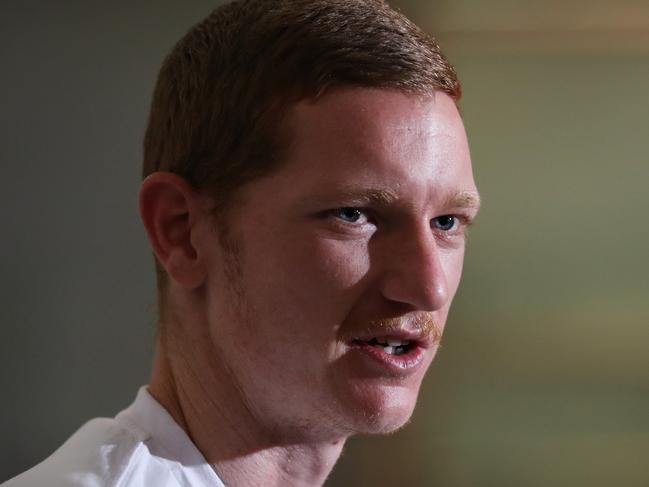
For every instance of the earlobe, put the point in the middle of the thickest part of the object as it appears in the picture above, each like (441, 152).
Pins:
(169, 211)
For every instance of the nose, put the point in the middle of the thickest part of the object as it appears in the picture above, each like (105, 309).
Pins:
(414, 273)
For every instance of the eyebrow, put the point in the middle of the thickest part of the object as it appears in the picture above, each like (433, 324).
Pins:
(371, 195)
(364, 196)
(376, 196)
(465, 199)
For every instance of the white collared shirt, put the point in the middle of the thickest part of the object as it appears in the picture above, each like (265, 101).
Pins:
(141, 447)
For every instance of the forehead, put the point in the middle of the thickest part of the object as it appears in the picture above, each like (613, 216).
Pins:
(373, 110)
(378, 138)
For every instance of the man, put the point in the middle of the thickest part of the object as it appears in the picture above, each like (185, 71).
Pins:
(307, 190)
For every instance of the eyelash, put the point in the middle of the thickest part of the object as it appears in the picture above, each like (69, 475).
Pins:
(338, 211)
(456, 222)
(460, 222)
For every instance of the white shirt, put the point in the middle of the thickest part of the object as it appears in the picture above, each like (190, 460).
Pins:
(141, 447)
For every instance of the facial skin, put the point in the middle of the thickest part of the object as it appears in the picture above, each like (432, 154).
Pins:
(308, 272)
(360, 233)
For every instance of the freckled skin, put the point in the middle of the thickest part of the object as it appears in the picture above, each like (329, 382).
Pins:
(279, 306)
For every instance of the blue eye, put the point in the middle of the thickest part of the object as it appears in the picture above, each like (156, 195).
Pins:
(445, 222)
(351, 215)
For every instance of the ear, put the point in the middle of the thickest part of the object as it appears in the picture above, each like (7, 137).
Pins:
(169, 210)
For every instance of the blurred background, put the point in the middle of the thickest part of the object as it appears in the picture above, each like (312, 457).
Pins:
(543, 378)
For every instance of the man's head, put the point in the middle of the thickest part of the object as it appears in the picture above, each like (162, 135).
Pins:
(323, 139)
(223, 92)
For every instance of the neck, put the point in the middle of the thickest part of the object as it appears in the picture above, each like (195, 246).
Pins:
(193, 386)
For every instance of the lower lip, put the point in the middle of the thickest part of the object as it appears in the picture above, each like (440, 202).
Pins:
(399, 364)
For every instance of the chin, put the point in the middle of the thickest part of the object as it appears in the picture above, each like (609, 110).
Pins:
(382, 411)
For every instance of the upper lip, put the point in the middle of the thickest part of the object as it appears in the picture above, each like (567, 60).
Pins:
(418, 337)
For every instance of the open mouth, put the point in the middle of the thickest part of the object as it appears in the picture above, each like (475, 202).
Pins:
(390, 346)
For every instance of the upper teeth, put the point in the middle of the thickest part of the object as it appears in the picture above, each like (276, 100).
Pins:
(390, 345)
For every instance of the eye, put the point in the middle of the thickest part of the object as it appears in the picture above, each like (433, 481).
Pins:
(445, 223)
(349, 215)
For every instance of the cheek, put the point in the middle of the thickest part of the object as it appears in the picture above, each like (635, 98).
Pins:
(454, 269)
(319, 276)
(453, 263)
(337, 267)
